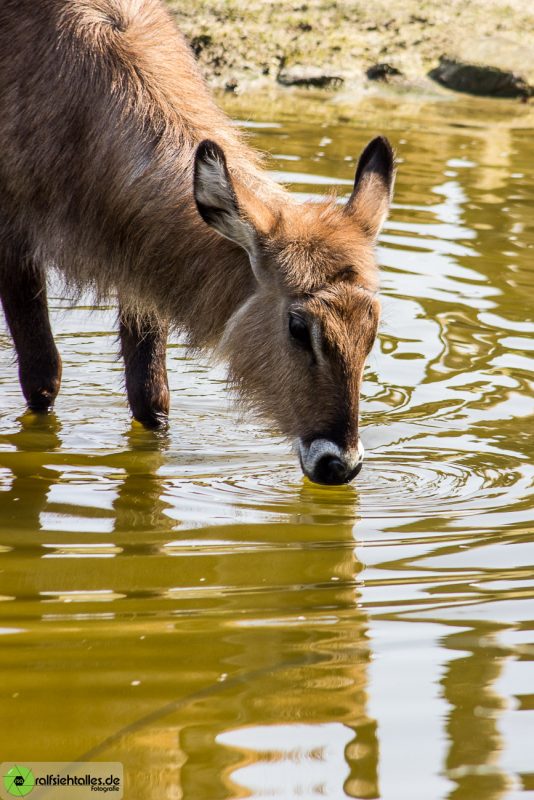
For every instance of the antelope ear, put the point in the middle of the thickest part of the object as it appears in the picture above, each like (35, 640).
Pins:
(216, 199)
(373, 186)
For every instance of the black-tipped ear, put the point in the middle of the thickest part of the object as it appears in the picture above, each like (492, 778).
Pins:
(373, 186)
(377, 158)
(215, 196)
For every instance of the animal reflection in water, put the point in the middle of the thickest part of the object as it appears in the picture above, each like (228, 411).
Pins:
(249, 657)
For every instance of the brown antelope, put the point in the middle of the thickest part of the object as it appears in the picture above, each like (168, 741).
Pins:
(118, 169)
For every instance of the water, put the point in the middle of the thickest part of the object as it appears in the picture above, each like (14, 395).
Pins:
(189, 605)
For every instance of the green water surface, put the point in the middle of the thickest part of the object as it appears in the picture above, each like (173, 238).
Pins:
(189, 605)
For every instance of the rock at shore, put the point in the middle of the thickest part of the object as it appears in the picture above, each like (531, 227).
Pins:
(477, 79)
(309, 77)
(488, 67)
(383, 72)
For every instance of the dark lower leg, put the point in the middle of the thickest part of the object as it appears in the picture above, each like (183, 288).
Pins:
(143, 342)
(23, 295)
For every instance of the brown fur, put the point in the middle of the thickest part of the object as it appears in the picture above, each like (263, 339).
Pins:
(101, 111)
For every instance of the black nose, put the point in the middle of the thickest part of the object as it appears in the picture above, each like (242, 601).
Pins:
(332, 471)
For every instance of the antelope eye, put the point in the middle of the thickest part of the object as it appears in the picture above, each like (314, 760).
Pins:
(299, 331)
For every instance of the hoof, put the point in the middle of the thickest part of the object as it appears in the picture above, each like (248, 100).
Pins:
(40, 387)
(153, 421)
(41, 401)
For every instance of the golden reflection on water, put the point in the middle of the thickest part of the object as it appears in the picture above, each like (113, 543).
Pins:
(189, 605)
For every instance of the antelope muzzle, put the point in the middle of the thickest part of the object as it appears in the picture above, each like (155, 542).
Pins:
(325, 462)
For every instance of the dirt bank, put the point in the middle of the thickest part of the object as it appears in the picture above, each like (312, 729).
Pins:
(478, 46)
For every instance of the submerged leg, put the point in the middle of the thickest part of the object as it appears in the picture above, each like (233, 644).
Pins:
(23, 295)
(143, 342)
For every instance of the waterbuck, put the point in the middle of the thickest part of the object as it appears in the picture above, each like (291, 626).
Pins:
(118, 169)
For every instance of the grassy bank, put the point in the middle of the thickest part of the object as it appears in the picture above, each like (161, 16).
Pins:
(241, 44)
